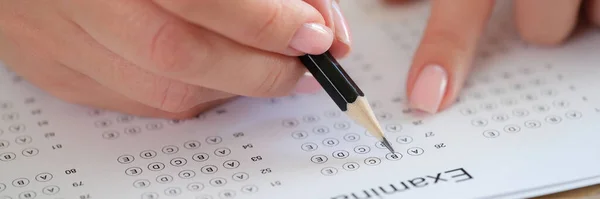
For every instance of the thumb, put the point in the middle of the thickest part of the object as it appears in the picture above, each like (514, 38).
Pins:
(443, 59)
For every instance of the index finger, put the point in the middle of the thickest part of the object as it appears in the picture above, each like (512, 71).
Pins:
(274, 25)
(158, 43)
(444, 56)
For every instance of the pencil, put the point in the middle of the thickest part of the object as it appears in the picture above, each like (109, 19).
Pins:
(344, 92)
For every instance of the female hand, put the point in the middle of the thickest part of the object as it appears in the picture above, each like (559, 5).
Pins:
(443, 59)
(165, 58)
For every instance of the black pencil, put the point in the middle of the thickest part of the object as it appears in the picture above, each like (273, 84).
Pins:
(344, 92)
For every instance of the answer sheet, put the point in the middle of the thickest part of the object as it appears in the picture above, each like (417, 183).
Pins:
(525, 125)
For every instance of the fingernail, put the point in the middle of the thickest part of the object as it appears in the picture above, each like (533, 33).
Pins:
(307, 84)
(312, 38)
(429, 89)
(342, 31)
(330, 13)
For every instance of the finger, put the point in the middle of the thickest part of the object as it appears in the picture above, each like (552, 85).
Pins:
(128, 79)
(37, 68)
(273, 25)
(593, 11)
(325, 9)
(342, 44)
(336, 21)
(81, 53)
(443, 59)
(159, 43)
(546, 22)
(85, 91)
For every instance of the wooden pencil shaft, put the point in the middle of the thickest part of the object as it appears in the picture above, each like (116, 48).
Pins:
(333, 78)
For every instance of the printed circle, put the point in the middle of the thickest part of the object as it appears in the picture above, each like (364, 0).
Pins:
(491, 134)
(512, 128)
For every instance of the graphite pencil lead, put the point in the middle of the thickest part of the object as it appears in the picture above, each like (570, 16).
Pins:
(387, 144)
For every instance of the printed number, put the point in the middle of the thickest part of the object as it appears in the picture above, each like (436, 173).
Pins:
(440, 145)
(49, 135)
(36, 112)
(43, 123)
(58, 146)
(239, 134)
(78, 184)
(265, 171)
(276, 183)
(86, 196)
(429, 134)
(247, 146)
(256, 158)
(417, 122)
(70, 171)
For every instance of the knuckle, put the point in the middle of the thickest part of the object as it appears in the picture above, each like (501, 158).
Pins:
(278, 81)
(168, 48)
(269, 84)
(270, 23)
(172, 96)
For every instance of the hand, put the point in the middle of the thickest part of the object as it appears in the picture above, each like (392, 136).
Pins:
(443, 59)
(165, 58)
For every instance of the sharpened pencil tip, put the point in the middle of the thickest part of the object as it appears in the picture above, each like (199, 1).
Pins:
(387, 144)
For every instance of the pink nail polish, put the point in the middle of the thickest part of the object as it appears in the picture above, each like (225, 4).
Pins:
(308, 85)
(429, 89)
(312, 38)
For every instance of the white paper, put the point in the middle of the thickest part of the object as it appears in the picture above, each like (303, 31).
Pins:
(527, 125)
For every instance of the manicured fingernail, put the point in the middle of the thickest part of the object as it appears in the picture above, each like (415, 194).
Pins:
(312, 38)
(308, 84)
(429, 89)
(330, 13)
(342, 32)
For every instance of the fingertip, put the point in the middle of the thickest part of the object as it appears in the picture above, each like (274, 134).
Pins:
(324, 9)
(338, 42)
(429, 88)
(433, 93)
(440, 67)
(435, 80)
(317, 33)
(312, 38)
(340, 50)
